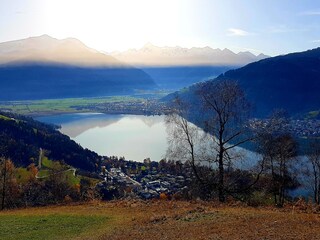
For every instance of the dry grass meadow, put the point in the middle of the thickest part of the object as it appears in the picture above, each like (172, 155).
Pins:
(159, 220)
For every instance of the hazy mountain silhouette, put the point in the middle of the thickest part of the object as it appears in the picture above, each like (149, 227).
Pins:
(44, 67)
(151, 55)
(176, 67)
(44, 48)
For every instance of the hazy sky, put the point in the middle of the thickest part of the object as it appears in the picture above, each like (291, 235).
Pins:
(268, 26)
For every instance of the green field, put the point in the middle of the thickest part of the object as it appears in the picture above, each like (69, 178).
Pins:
(71, 105)
(48, 225)
(313, 115)
(79, 221)
(50, 167)
(61, 105)
(49, 164)
(22, 175)
(4, 118)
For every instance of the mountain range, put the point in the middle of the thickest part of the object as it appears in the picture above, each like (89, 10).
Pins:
(47, 49)
(176, 67)
(151, 55)
(44, 67)
(290, 82)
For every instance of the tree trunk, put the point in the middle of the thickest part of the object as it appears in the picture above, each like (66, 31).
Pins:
(221, 177)
(274, 190)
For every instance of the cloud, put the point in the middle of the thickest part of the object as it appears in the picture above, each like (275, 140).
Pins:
(237, 32)
(310, 13)
(316, 41)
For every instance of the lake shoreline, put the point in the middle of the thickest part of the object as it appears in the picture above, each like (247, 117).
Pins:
(53, 113)
(134, 136)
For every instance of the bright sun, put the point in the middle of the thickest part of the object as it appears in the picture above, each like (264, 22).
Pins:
(116, 22)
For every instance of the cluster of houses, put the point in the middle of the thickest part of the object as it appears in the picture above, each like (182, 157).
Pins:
(155, 184)
(145, 107)
(306, 128)
(152, 185)
(300, 128)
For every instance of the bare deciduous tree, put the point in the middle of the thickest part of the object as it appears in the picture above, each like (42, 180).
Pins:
(184, 138)
(223, 114)
(227, 112)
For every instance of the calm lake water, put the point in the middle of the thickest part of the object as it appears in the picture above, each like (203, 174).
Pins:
(135, 137)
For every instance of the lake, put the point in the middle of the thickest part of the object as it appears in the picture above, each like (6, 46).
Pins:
(135, 137)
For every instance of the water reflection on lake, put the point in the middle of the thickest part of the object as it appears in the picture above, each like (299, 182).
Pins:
(134, 136)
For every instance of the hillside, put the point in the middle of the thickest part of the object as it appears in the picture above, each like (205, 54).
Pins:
(22, 137)
(291, 82)
(44, 67)
(32, 81)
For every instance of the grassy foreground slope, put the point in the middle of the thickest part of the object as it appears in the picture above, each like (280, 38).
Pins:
(48, 226)
(157, 220)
